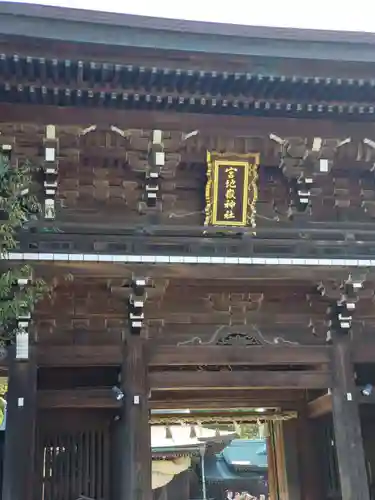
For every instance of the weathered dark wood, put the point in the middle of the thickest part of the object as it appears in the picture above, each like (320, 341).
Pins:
(171, 246)
(20, 431)
(197, 272)
(216, 399)
(76, 398)
(347, 425)
(103, 398)
(310, 476)
(108, 355)
(84, 355)
(363, 352)
(238, 355)
(320, 406)
(177, 380)
(223, 124)
(135, 474)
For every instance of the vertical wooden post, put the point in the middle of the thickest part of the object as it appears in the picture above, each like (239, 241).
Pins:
(347, 425)
(136, 454)
(19, 452)
(310, 474)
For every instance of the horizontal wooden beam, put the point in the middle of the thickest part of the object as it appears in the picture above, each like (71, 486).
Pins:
(320, 406)
(217, 124)
(323, 404)
(77, 398)
(103, 398)
(196, 272)
(78, 355)
(240, 355)
(213, 399)
(230, 380)
(231, 401)
(109, 355)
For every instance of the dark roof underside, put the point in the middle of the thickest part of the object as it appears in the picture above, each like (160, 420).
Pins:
(73, 25)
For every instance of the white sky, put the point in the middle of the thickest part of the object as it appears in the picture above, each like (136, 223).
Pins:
(318, 14)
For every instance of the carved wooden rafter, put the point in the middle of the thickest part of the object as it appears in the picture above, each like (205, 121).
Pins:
(227, 336)
(91, 193)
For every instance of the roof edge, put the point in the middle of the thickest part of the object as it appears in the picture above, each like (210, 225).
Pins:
(128, 31)
(181, 26)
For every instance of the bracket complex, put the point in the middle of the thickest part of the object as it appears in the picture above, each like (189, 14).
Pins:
(136, 303)
(341, 310)
(156, 161)
(50, 172)
(301, 161)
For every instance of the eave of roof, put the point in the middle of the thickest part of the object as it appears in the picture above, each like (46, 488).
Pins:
(80, 26)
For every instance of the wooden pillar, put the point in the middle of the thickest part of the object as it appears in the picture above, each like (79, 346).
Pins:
(347, 425)
(19, 452)
(309, 470)
(292, 459)
(135, 474)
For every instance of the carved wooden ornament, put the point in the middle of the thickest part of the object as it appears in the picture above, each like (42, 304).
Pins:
(231, 189)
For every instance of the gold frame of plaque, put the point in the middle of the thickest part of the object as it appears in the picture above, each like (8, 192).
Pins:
(231, 189)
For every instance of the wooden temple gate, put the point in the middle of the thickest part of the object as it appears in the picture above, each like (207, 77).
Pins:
(207, 233)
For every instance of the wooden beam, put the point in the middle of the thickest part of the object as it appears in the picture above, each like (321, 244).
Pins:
(308, 458)
(347, 425)
(233, 401)
(247, 396)
(240, 355)
(84, 356)
(320, 406)
(77, 398)
(109, 355)
(224, 380)
(19, 455)
(104, 398)
(183, 271)
(323, 404)
(135, 433)
(217, 124)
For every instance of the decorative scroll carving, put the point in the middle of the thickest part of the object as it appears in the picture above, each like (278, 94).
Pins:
(226, 336)
(231, 189)
(235, 339)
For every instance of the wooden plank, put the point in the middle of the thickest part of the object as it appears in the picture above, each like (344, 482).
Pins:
(183, 271)
(223, 124)
(308, 458)
(224, 380)
(347, 425)
(78, 355)
(109, 355)
(103, 398)
(77, 398)
(320, 406)
(240, 355)
(216, 399)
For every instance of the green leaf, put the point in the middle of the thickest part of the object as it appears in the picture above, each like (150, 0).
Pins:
(16, 206)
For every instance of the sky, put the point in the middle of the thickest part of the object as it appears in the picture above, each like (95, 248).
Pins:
(318, 14)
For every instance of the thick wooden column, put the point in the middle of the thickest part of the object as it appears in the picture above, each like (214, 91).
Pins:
(19, 452)
(136, 434)
(308, 458)
(347, 425)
